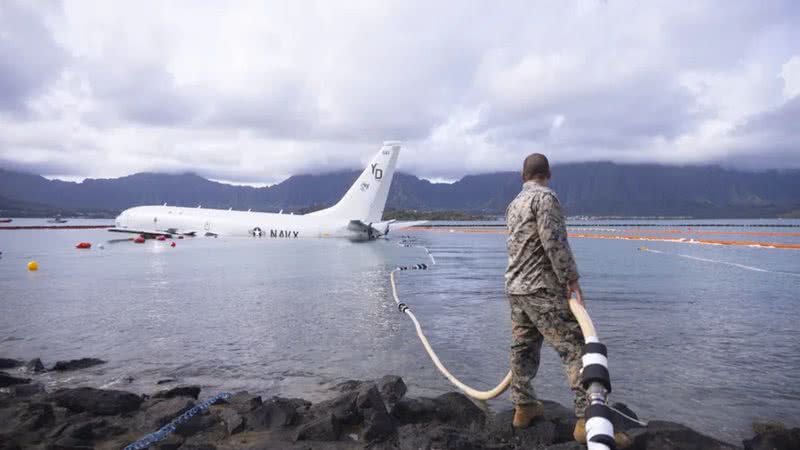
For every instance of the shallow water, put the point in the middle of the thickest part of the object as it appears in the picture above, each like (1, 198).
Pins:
(704, 335)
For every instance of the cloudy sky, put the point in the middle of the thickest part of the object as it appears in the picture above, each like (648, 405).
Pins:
(251, 92)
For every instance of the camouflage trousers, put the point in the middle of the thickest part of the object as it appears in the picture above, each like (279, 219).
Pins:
(534, 319)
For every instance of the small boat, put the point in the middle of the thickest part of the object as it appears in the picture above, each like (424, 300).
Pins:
(5, 220)
(57, 220)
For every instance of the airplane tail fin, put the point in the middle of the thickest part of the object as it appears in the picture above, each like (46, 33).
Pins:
(366, 199)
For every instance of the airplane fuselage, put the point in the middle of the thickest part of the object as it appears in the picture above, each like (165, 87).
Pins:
(352, 217)
(231, 223)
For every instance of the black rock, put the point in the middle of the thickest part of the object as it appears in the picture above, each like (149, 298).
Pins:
(774, 438)
(660, 435)
(97, 401)
(414, 437)
(76, 364)
(7, 363)
(349, 385)
(369, 398)
(27, 390)
(7, 380)
(392, 389)
(159, 412)
(166, 380)
(456, 408)
(277, 412)
(35, 366)
(36, 416)
(172, 442)
(244, 402)
(325, 428)
(71, 443)
(451, 408)
(92, 430)
(181, 391)
(342, 407)
(415, 410)
(197, 424)
(378, 426)
(234, 423)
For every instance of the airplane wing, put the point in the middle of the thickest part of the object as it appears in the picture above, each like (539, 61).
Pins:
(153, 233)
(381, 229)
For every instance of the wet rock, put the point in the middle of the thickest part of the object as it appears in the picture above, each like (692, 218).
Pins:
(197, 424)
(343, 407)
(181, 391)
(773, 437)
(234, 423)
(349, 385)
(160, 412)
(27, 390)
(414, 410)
(7, 380)
(35, 416)
(415, 437)
(71, 443)
(567, 446)
(455, 407)
(451, 408)
(34, 366)
(76, 364)
(378, 426)
(198, 443)
(7, 363)
(97, 401)
(661, 435)
(166, 380)
(172, 442)
(7, 443)
(244, 402)
(93, 430)
(277, 412)
(326, 428)
(392, 389)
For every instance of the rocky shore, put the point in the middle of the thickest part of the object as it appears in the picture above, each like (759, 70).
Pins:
(373, 414)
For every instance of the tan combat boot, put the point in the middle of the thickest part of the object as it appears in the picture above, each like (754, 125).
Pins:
(620, 439)
(525, 414)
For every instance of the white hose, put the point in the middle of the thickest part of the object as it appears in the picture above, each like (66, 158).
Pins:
(585, 322)
(474, 393)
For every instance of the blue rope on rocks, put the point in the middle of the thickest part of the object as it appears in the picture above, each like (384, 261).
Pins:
(165, 431)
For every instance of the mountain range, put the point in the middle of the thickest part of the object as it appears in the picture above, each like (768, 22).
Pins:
(593, 188)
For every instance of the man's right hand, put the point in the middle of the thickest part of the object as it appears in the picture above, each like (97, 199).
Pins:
(574, 290)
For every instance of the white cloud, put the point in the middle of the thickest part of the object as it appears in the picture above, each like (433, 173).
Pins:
(254, 91)
(790, 72)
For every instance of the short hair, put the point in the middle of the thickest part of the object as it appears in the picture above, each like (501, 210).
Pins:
(536, 165)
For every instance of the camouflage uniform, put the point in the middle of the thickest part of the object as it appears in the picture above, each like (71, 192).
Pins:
(540, 264)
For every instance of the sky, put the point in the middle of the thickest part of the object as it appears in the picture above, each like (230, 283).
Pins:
(252, 92)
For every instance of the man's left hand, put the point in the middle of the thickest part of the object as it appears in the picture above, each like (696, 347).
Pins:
(574, 290)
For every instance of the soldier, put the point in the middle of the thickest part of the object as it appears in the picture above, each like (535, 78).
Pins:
(541, 276)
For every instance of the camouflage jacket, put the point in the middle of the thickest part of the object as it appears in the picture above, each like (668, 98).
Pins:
(539, 256)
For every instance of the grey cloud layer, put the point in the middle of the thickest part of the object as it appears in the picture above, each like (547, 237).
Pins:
(257, 91)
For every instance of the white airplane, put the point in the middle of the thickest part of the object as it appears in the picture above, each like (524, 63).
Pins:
(357, 216)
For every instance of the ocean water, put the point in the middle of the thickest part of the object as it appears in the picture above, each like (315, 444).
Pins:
(706, 335)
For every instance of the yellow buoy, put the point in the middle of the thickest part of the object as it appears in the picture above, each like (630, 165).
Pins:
(33, 266)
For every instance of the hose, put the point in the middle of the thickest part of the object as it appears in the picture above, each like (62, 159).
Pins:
(470, 392)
